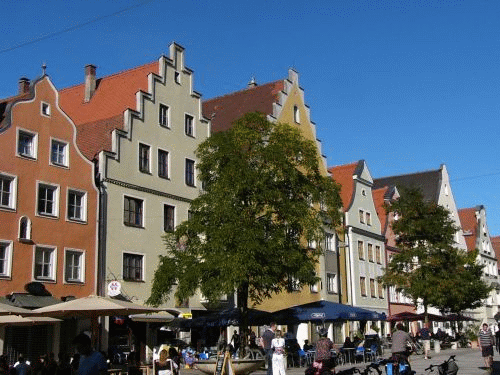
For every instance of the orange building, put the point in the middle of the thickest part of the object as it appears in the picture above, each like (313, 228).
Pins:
(48, 199)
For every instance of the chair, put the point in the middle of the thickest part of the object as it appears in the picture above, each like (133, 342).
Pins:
(302, 358)
(371, 353)
(310, 357)
(360, 353)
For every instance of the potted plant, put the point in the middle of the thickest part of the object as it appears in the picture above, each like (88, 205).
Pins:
(471, 335)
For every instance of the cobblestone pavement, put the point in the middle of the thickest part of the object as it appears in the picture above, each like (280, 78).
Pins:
(469, 362)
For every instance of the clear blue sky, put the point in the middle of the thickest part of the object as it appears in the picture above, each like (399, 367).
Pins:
(405, 85)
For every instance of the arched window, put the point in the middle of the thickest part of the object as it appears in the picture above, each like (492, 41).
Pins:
(25, 229)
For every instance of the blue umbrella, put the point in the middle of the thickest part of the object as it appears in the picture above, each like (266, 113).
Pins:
(325, 311)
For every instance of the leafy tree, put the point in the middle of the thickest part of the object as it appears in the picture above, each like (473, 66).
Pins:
(430, 269)
(263, 196)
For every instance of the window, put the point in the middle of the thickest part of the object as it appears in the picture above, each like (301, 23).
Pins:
(177, 78)
(162, 164)
(24, 229)
(189, 172)
(362, 285)
(311, 244)
(47, 200)
(58, 153)
(329, 242)
(331, 283)
(168, 218)
(368, 217)
(163, 116)
(132, 212)
(189, 125)
(144, 158)
(73, 266)
(293, 284)
(378, 254)
(77, 205)
(361, 217)
(370, 252)
(296, 114)
(7, 191)
(372, 287)
(380, 287)
(5, 258)
(132, 267)
(45, 109)
(26, 144)
(314, 288)
(361, 250)
(44, 263)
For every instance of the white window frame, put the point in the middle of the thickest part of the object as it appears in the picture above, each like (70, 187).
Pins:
(28, 229)
(52, 263)
(12, 193)
(185, 172)
(7, 272)
(83, 206)
(192, 128)
(147, 168)
(168, 163)
(56, 189)
(166, 117)
(329, 241)
(143, 207)
(81, 253)
(331, 283)
(143, 265)
(34, 144)
(65, 153)
(45, 109)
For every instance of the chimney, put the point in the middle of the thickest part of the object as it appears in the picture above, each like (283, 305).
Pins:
(252, 83)
(24, 85)
(89, 82)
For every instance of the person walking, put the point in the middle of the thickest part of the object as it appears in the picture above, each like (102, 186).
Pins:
(324, 347)
(486, 342)
(425, 336)
(278, 348)
(265, 342)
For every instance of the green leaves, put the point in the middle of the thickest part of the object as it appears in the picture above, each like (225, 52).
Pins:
(246, 232)
(430, 269)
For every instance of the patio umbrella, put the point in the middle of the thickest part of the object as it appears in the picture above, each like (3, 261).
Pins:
(460, 318)
(231, 317)
(17, 320)
(93, 306)
(156, 317)
(403, 316)
(325, 311)
(6, 309)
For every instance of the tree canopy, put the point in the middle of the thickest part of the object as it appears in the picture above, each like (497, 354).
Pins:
(263, 196)
(430, 269)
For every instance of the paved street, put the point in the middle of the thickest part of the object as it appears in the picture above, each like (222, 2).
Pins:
(469, 362)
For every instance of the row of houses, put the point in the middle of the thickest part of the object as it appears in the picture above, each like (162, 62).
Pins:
(92, 176)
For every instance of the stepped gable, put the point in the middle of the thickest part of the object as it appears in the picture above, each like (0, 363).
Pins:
(469, 226)
(342, 174)
(428, 181)
(224, 110)
(104, 112)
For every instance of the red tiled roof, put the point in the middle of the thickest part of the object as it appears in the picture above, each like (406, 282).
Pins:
(495, 243)
(342, 174)
(224, 110)
(5, 102)
(469, 225)
(379, 200)
(113, 95)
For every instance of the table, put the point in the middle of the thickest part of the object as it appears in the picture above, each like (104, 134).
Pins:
(350, 352)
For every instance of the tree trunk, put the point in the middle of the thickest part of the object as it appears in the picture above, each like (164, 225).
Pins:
(242, 301)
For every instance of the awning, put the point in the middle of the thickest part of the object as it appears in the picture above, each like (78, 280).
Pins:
(231, 317)
(324, 311)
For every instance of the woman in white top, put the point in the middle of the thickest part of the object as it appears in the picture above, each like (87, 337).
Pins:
(278, 347)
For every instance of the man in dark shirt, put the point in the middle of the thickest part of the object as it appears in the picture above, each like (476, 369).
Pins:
(425, 336)
(266, 339)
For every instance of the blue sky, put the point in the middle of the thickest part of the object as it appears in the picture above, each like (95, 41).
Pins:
(405, 85)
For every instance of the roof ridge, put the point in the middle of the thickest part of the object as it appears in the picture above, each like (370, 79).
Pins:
(113, 75)
(408, 174)
(246, 89)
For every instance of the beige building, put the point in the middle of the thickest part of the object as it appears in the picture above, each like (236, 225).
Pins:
(141, 127)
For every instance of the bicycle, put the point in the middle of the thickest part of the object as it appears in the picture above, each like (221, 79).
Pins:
(448, 367)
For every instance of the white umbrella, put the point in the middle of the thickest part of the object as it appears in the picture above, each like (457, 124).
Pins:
(157, 317)
(91, 307)
(17, 320)
(6, 309)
